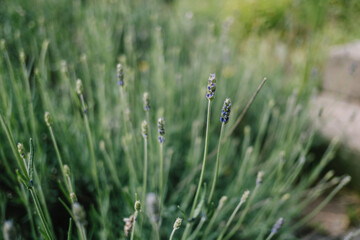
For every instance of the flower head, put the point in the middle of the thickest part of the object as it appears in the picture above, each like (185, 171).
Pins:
(145, 129)
(211, 87)
(21, 150)
(177, 223)
(79, 87)
(146, 99)
(79, 213)
(161, 130)
(277, 225)
(225, 113)
(48, 119)
(120, 74)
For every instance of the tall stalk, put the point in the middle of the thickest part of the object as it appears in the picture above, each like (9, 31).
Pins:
(186, 232)
(217, 166)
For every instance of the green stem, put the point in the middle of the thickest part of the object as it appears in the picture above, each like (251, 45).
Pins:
(230, 219)
(217, 166)
(41, 214)
(186, 232)
(91, 145)
(145, 170)
(161, 174)
(172, 234)
(68, 185)
(133, 227)
(270, 236)
(241, 219)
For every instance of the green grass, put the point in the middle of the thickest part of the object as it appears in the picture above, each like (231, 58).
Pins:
(96, 131)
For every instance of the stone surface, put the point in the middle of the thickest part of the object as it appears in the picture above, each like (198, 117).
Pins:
(336, 117)
(342, 70)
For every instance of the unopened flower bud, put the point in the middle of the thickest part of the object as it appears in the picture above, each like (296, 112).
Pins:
(137, 206)
(245, 196)
(21, 150)
(146, 99)
(161, 130)
(79, 87)
(277, 225)
(48, 119)
(145, 129)
(177, 223)
(222, 201)
(79, 213)
(259, 177)
(120, 74)
(211, 87)
(225, 113)
(66, 170)
(73, 197)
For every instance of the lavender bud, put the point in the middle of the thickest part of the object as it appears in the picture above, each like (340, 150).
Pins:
(177, 223)
(259, 178)
(225, 113)
(145, 129)
(48, 119)
(120, 74)
(222, 201)
(161, 130)
(245, 196)
(21, 150)
(211, 87)
(137, 206)
(277, 225)
(66, 170)
(73, 197)
(79, 87)
(79, 213)
(146, 99)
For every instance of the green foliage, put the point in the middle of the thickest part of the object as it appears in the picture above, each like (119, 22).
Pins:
(96, 130)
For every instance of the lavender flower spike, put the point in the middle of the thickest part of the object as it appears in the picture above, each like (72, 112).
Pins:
(161, 130)
(211, 87)
(277, 225)
(146, 99)
(225, 113)
(120, 74)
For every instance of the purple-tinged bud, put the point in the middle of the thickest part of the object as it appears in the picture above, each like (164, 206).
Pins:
(120, 74)
(225, 113)
(277, 225)
(161, 130)
(211, 87)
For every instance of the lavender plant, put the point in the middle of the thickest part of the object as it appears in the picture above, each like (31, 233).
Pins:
(96, 127)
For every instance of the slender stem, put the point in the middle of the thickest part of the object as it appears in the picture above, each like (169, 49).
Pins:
(82, 232)
(91, 145)
(161, 174)
(145, 169)
(230, 219)
(133, 227)
(270, 236)
(68, 185)
(186, 232)
(172, 234)
(211, 223)
(241, 219)
(41, 214)
(242, 115)
(217, 166)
